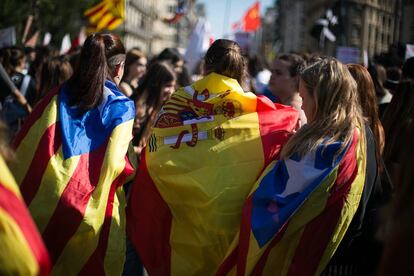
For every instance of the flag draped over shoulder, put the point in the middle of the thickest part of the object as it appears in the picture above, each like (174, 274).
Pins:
(70, 171)
(108, 14)
(298, 212)
(22, 251)
(210, 143)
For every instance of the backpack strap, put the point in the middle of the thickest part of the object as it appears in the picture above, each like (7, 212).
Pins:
(25, 84)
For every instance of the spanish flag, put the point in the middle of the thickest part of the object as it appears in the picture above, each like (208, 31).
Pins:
(70, 171)
(107, 15)
(210, 143)
(22, 251)
(298, 212)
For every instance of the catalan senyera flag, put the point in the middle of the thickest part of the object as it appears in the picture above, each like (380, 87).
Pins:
(70, 171)
(22, 251)
(210, 143)
(107, 15)
(299, 211)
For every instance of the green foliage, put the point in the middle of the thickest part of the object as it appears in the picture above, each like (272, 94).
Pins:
(55, 16)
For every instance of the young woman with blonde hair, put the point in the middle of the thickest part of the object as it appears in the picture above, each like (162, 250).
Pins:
(309, 205)
(332, 105)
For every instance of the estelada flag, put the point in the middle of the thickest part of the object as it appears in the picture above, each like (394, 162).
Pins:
(251, 20)
(70, 171)
(210, 143)
(298, 212)
(107, 15)
(22, 249)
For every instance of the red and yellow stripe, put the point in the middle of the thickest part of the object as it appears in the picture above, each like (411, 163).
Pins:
(108, 14)
(22, 250)
(306, 243)
(185, 208)
(77, 202)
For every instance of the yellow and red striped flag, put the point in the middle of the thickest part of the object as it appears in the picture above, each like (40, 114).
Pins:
(210, 143)
(22, 249)
(107, 15)
(71, 169)
(298, 212)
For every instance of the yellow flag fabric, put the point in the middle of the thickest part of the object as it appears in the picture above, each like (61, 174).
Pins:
(210, 143)
(71, 169)
(298, 212)
(107, 15)
(22, 251)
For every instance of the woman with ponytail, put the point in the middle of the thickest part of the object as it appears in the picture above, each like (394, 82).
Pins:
(209, 142)
(72, 163)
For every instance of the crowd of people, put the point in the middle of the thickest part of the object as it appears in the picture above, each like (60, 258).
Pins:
(127, 162)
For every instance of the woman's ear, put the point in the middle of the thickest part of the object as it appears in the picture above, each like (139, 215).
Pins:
(118, 72)
(120, 69)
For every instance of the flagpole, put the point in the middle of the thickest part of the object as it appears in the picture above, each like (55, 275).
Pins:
(27, 28)
(226, 17)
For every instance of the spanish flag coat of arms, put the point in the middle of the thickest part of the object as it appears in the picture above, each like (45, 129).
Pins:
(210, 143)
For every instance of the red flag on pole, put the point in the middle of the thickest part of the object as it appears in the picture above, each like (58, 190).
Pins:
(251, 19)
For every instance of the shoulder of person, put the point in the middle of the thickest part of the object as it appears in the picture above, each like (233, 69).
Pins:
(125, 88)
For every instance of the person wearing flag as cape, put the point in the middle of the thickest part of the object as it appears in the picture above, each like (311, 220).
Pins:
(304, 205)
(72, 163)
(209, 144)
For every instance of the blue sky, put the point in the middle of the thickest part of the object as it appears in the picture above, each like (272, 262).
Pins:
(216, 9)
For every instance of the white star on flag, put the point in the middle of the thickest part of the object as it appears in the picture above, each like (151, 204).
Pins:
(301, 174)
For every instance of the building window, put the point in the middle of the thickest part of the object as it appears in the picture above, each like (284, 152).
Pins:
(142, 23)
(171, 8)
(356, 32)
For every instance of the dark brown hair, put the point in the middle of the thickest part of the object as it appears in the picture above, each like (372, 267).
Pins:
(368, 102)
(150, 94)
(100, 55)
(131, 57)
(158, 74)
(224, 57)
(13, 58)
(296, 63)
(398, 119)
(378, 75)
(54, 72)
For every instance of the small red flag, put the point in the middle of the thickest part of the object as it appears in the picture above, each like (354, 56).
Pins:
(251, 19)
(235, 26)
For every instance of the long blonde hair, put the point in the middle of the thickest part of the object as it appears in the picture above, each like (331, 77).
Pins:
(337, 110)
